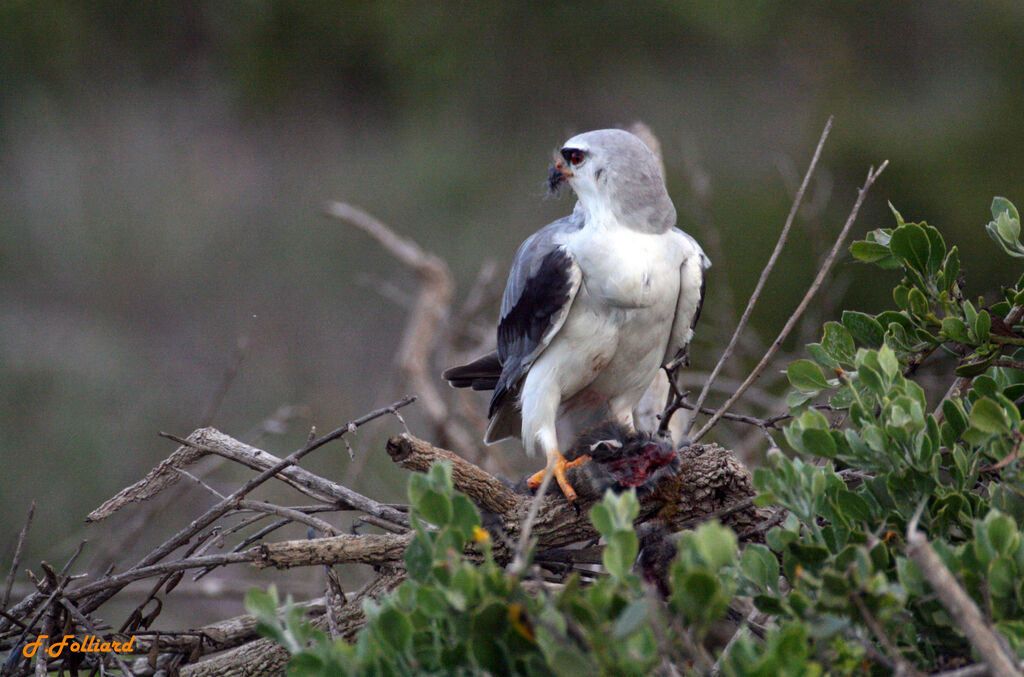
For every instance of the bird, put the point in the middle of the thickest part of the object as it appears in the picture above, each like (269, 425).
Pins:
(595, 305)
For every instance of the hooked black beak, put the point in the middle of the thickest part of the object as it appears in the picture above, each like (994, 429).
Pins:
(556, 177)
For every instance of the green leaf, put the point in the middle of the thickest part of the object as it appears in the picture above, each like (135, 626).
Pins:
(864, 328)
(854, 505)
(419, 558)
(955, 329)
(901, 296)
(715, 544)
(910, 244)
(760, 567)
(1008, 228)
(982, 325)
(769, 604)
(869, 252)
(1001, 533)
(601, 518)
(795, 398)
(620, 553)
(936, 249)
(435, 507)
(700, 598)
(632, 618)
(977, 367)
(838, 343)
(887, 360)
(918, 303)
(464, 515)
(399, 629)
(806, 376)
(809, 555)
(819, 442)
(988, 417)
(951, 269)
(819, 355)
(1001, 205)
(1002, 577)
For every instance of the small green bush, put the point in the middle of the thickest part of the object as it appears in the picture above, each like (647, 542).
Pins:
(833, 578)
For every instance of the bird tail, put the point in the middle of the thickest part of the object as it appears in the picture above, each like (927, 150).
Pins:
(480, 374)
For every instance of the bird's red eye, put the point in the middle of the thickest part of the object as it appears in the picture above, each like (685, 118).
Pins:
(573, 156)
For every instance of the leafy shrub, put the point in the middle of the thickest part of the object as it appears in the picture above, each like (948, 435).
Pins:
(833, 578)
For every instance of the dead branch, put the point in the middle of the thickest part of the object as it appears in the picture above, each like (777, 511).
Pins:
(873, 174)
(17, 556)
(755, 295)
(710, 479)
(424, 327)
(986, 642)
(363, 548)
(484, 489)
(266, 657)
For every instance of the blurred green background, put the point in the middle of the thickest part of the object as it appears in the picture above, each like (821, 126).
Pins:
(164, 165)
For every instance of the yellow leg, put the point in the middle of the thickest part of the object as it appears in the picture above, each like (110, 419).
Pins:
(558, 465)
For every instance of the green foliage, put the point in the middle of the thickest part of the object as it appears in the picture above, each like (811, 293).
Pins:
(858, 407)
(833, 577)
(461, 613)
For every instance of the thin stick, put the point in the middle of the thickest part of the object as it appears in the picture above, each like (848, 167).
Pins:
(986, 642)
(17, 555)
(89, 627)
(791, 322)
(118, 581)
(217, 511)
(519, 561)
(783, 236)
(976, 670)
(293, 515)
(241, 350)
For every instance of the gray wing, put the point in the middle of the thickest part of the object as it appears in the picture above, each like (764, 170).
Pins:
(691, 295)
(542, 284)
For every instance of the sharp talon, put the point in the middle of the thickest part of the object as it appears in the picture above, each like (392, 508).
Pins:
(559, 465)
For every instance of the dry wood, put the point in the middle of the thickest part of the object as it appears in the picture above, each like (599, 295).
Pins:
(710, 479)
(364, 549)
(961, 607)
(425, 325)
(217, 636)
(266, 657)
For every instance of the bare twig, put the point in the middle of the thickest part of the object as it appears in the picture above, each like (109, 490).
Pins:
(984, 639)
(518, 564)
(783, 236)
(976, 670)
(84, 621)
(290, 514)
(366, 548)
(903, 668)
(818, 280)
(217, 511)
(18, 549)
(241, 350)
(425, 321)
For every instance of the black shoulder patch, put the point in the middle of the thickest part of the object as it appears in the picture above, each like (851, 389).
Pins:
(521, 330)
(544, 295)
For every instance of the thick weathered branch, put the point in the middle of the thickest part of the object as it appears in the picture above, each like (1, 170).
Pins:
(710, 479)
(363, 548)
(484, 489)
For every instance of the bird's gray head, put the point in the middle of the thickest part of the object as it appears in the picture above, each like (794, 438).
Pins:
(613, 171)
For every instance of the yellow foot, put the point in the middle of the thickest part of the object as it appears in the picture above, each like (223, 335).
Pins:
(558, 465)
